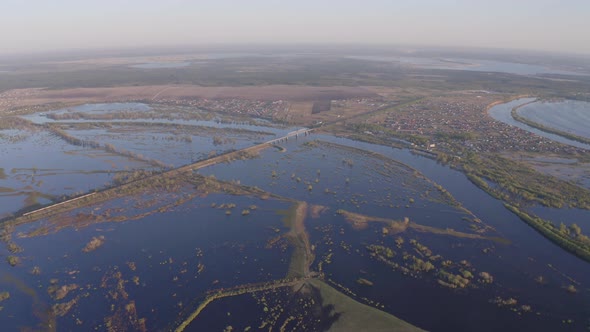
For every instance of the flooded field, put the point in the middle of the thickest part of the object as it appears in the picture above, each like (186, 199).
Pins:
(116, 261)
(369, 252)
(177, 145)
(470, 65)
(311, 233)
(78, 149)
(38, 167)
(161, 65)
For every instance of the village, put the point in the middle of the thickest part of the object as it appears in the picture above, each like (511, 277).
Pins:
(461, 121)
(253, 108)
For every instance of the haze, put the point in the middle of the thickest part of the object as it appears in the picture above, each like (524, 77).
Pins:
(39, 25)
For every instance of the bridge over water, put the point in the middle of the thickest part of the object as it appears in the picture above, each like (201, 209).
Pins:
(112, 191)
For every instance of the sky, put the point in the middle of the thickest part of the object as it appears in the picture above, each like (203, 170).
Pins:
(54, 25)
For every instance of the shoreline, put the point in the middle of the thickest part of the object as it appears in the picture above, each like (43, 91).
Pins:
(536, 125)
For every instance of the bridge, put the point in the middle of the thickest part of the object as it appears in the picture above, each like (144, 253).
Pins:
(296, 133)
(108, 193)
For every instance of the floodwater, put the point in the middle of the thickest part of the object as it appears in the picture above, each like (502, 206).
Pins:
(569, 116)
(38, 167)
(161, 65)
(470, 65)
(163, 248)
(153, 115)
(166, 260)
(175, 149)
(567, 216)
(503, 113)
(515, 266)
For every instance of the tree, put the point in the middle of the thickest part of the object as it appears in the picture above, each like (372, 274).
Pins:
(563, 229)
(576, 230)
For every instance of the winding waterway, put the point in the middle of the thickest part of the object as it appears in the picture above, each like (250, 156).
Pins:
(517, 265)
(569, 116)
(169, 247)
(503, 113)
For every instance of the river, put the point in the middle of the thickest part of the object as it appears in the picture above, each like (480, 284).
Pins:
(503, 113)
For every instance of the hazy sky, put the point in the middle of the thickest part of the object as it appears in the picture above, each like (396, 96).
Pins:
(35, 25)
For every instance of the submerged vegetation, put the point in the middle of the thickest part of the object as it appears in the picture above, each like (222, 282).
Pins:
(4, 296)
(517, 181)
(394, 229)
(94, 244)
(13, 260)
(570, 239)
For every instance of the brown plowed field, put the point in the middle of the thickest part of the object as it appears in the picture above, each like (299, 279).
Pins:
(26, 97)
